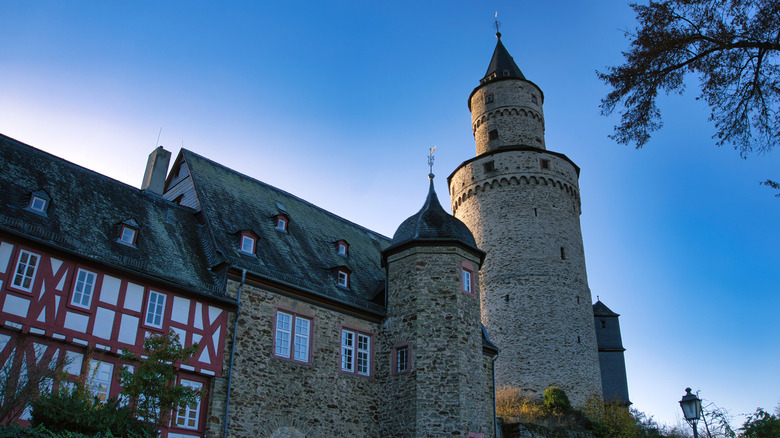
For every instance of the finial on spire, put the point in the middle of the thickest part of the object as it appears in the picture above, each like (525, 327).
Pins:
(497, 25)
(430, 161)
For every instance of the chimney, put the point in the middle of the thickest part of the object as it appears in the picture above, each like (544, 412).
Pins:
(156, 169)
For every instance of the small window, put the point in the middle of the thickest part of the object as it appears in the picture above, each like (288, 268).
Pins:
(490, 166)
(26, 267)
(155, 309)
(402, 359)
(100, 376)
(342, 248)
(342, 279)
(127, 235)
(292, 337)
(281, 223)
(563, 254)
(603, 324)
(82, 291)
(188, 416)
(493, 134)
(544, 163)
(38, 204)
(506, 73)
(355, 352)
(247, 244)
(466, 281)
(534, 99)
(489, 98)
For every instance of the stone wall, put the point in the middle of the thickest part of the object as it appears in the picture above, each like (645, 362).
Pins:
(536, 303)
(446, 392)
(273, 397)
(513, 113)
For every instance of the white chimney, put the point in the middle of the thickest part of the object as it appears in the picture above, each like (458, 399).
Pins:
(156, 170)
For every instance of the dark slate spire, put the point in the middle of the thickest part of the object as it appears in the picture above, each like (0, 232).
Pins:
(501, 65)
(433, 224)
(600, 309)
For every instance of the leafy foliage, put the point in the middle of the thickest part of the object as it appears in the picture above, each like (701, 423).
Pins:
(731, 45)
(76, 410)
(151, 386)
(556, 399)
(761, 425)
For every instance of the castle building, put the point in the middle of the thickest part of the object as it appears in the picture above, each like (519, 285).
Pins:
(308, 324)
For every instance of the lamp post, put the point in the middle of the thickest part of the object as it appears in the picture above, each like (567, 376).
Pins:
(691, 407)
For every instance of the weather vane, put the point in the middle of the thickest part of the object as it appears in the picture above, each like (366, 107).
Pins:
(430, 160)
(497, 25)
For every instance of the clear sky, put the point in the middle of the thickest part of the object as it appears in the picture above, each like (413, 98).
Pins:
(339, 101)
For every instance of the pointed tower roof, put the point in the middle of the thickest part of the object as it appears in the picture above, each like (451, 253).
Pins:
(432, 224)
(600, 309)
(502, 65)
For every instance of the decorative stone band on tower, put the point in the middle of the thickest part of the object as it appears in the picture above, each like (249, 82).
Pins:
(522, 204)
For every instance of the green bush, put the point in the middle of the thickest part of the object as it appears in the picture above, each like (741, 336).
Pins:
(555, 399)
(78, 411)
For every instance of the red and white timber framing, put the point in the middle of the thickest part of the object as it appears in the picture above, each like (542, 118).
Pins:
(47, 316)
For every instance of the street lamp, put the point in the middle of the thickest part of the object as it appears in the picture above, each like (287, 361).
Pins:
(691, 407)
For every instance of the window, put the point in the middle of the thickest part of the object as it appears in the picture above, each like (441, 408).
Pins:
(493, 134)
(24, 275)
(466, 281)
(342, 248)
(563, 254)
(155, 309)
(489, 166)
(401, 360)
(544, 163)
(187, 416)
(127, 235)
(281, 223)
(603, 324)
(247, 244)
(533, 99)
(489, 98)
(82, 291)
(99, 379)
(506, 73)
(355, 352)
(38, 204)
(293, 334)
(342, 279)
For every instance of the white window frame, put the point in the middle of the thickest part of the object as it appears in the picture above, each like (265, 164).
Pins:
(38, 204)
(22, 270)
(99, 379)
(247, 244)
(342, 251)
(189, 414)
(402, 366)
(156, 308)
(342, 278)
(281, 223)
(127, 235)
(355, 352)
(466, 279)
(84, 288)
(292, 339)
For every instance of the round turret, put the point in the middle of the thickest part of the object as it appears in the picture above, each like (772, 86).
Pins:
(506, 108)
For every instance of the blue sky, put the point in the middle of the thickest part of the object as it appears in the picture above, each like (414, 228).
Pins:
(339, 101)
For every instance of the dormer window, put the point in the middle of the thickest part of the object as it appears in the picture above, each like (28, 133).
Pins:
(128, 233)
(342, 248)
(247, 243)
(281, 223)
(39, 202)
(342, 277)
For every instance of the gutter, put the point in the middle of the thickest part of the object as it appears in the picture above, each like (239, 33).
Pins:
(233, 354)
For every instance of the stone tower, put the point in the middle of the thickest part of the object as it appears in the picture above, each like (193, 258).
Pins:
(611, 356)
(439, 381)
(521, 202)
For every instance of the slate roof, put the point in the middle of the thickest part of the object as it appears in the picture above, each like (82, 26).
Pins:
(433, 224)
(85, 213)
(600, 309)
(306, 256)
(500, 62)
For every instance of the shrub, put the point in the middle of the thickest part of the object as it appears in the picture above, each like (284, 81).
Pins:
(555, 399)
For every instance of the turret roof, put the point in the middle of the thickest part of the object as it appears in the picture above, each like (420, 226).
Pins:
(600, 309)
(433, 224)
(500, 63)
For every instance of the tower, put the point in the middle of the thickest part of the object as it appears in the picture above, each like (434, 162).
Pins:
(611, 357)
(521, 202)
(439, 382)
